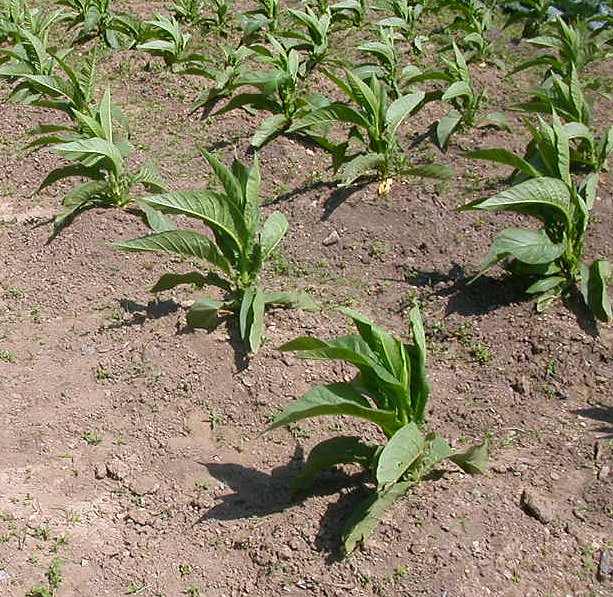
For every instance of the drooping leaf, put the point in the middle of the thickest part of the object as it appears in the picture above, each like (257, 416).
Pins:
(506, 157)
(334, 399)
(186, 243)
(594, 290)
(204, 313)
(169, 281)
(369, 514)
(336, 450)
(273, 231)
(474, 460)
(402, 449)
(446, 126)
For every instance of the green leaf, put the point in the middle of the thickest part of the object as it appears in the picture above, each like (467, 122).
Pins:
(595, 289)
(295, 300)
(547, 199)
(106, 115)
(149, 176)
(361, 165)
(368, 515)
(456, 89)
(337, 450)
(420, 388)
(156, 220)
(399, 109)
(436, 171)
(446, 126)
(473, 461)
(268, 129)
(335, 399)
(204, 313)
(546, 284)
(529, 246)
(402, 449)
(169, 281)
(68, 171)
(91, 151)
(506, 157)
(230, 183)
(79, 199)
(222, 216)
(335, 112)
(251, 317)
(273, 231)
(186, 243)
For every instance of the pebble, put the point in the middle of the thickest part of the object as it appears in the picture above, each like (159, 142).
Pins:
(605, 565)
(536, 506)
(331, 239)
(604, 472)
(140, 517)
(117, 469)
(144, 485)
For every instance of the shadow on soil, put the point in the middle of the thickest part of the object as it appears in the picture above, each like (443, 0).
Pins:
(602, 414)
(255, 493)
(486, 293)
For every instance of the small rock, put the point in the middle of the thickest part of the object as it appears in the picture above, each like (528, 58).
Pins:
(144, 485)
(4, 576)
(140, 517)
(100, 471)
(536, 506)
(117, 469)
(604, 472)
(87, 350)
(331, 239)
(522, 386)
(605, 565)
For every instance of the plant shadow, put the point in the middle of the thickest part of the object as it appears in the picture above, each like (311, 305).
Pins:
(601, 413)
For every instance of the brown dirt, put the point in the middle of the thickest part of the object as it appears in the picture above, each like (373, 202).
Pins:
(130, 446)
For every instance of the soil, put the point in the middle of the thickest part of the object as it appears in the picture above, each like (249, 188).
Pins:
(131, 450)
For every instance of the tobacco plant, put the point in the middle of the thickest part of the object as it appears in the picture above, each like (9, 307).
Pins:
(97, 154)
(374, 125)
(405, 19)
(166, 40)
(241, 244)
(279, 91)
(391, 391)
(464, 98)
(550, 258)
(264, 18)
(532, 14)
(187, 11)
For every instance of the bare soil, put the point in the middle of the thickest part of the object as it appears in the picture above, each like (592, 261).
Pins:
(130, 445)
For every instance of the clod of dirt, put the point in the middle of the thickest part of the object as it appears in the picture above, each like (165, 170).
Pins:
(140, 517)
(144, 485)
(537, 506)
(117, 469)
(331, 239)
(605, 565)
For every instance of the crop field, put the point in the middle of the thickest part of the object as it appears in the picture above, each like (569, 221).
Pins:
(306, 298)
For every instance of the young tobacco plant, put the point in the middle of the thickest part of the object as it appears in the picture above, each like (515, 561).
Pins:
(391, 391)
(99, 155)
(550, 258)
(240, 245)
(464, 98)
(405, 19)
(374, 124)
(166, 40)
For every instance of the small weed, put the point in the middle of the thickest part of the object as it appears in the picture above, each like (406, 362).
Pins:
(135, 588)
(201, 485)
(215, 419)
(481, 353)
(91, 438)
(193, 590)
(185, 569)
(42, 531)
(54, 574)
(400, 572)
(516, 578)
(7, 356)
(378, 250)
(14, 293)
(101, 372)
(552, 367)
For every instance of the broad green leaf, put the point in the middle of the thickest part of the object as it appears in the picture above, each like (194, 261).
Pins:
(251, 317)
(547, 199)
(457, 89)
(402, 449)
(335, 112)
(106, 115)
(204, 313)
(435, 450)
(68, 171)
(529, 246)
(223, 217)
(550, 296)
(225, 176)
(156, 220)
(335, 399)
(437, 171)
(473, 461)
(368, 515)
(169, 281)
(91, 151)
(268, 129)
(446, 126)
(149, 176)
(274, 229)
(420, 388)
(399, 109)
(546, 284)
(88, 194)
(506, 157)
(595, 289)
(361, 165)
(186, 243)
(296, 299)
(337, 450)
